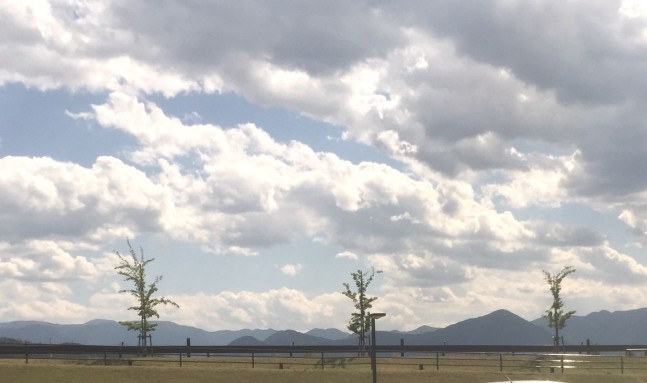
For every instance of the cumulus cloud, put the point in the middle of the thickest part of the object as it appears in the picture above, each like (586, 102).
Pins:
(248, 181)
(291, 269)
(395, 83)
(51, 300)
(40, 260)
(347, 254)
(278, 309)
(486, 116)
(40, 194)
(243, 186)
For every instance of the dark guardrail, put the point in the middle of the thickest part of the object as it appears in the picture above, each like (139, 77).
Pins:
(16, 349)
(606, 358)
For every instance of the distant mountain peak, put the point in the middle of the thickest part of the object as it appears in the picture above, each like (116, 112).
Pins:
(289, 337)
(503, 312)
(99, 321)
(246, 341)
(329, 333)
(422, 329)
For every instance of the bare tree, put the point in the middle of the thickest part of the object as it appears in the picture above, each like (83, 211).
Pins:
(556, 316)
(133, 269)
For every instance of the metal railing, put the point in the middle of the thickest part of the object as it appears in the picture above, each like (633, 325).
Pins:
(608, 358)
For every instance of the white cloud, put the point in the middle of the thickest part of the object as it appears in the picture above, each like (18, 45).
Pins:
(291, 269)
(46, 300)
(40, 260)
(261, 180)
(368, 207)
(79, 116)
(485, 131)
(278, 309)
(543, 184)
(241, 315)
(40, 194)
(347, 254)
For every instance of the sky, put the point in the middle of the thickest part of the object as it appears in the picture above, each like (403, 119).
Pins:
(262, 151)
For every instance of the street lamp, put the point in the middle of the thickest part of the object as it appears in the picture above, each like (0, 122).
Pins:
(373, 317)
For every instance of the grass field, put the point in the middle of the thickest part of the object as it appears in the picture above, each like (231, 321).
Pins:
(52, 372)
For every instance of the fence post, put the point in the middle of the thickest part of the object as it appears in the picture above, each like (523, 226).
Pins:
(26, 358)
(322, 360)
(500, 362)
(437, 362)
(402, 345)
(180, 359)
(252, 360)
(105, 358)
(622, 365)
(188, 347)
(562, 363)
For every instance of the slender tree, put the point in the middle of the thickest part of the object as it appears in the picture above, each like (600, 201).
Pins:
(556, 316)
(133, 269)
(360, 322)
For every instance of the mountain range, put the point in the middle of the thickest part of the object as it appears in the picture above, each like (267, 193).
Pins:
(500, 327)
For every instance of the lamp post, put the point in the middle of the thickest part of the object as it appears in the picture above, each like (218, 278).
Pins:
(373, 317)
